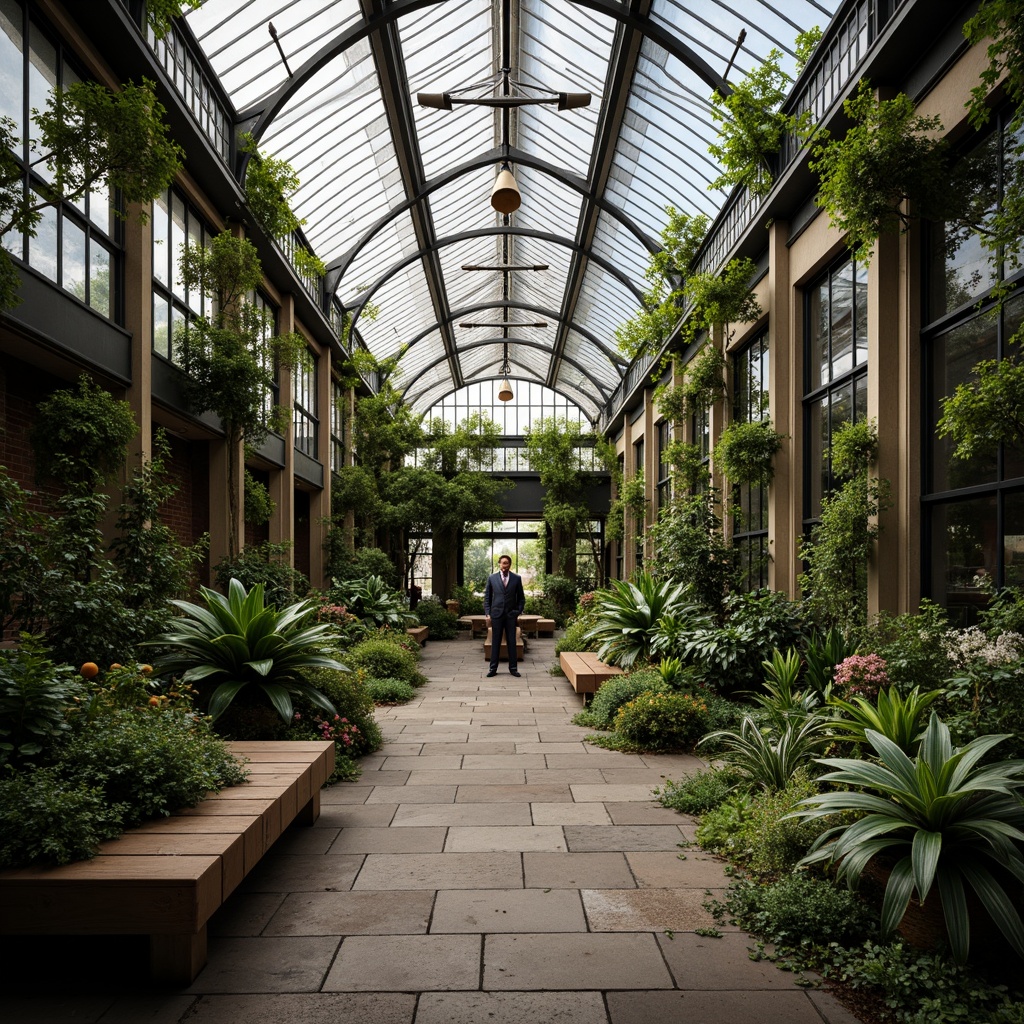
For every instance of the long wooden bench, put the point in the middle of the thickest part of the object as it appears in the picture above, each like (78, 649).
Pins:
(586, 671)
(546, 627)
(166, 878)
(419, 633)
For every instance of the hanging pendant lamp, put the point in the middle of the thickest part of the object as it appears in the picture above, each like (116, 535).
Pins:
(505, 196)
(505, 391)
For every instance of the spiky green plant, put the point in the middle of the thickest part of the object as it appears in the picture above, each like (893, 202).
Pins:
(627, 617)
(239, 642)
(769, 758)
(948, 818)
(896, 717)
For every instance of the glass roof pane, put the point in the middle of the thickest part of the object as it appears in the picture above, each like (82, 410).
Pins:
(585, 353)
(604, 304)
(466, 287)
(548, 204)
(394, 241)
(404, 304)
(617, 244)
(236, 39)
(463, 204)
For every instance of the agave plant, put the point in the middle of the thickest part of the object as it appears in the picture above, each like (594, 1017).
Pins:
(822, 655)
(628, 615)
(238, 641)
(374, 601)
(896, 717)
(949, 818)
(767, 758)
(782, 701)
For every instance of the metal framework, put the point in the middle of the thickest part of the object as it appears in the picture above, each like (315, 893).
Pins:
(395, 196)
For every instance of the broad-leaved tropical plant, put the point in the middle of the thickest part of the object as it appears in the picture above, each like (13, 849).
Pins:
(628, 615)
(374, 601)
(949, 819)
(238, 642)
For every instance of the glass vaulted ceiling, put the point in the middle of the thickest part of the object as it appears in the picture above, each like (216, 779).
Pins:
(395, 196)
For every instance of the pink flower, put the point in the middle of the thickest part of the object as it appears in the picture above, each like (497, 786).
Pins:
(861, 675)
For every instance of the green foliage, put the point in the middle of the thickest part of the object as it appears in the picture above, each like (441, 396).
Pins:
(999, 23)
(806, 43)
(160, 14)
(757, 833)
(270, 184)
(383, 659)
(923, 988)
(154, 565)
(627, 617)
(798, 909)
(244, 645)
(722, 299)
(45, 818)
(689, 547)
(374, 602)
(821, 655)
(364, 562)
(264, 565)
(897, 718)
(662, 303)
(575, 638)
(616, 692)
(21, 565)
(81, 438)
(259, 506)
(840, 545)
(353, 705)
(662, 721)
(150, 762)
(985, 411)
(704, 381)
(746, 452)
(752, 126)
(768, 759)
(698, 793)
(390, 691)
(946, 818)
(442, 623)
(911, 645)
(889, 156)
(469, 602)
(34, 694)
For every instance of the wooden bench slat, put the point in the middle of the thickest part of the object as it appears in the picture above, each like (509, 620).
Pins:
(585, 670)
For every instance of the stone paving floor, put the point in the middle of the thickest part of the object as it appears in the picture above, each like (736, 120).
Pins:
(488, 866)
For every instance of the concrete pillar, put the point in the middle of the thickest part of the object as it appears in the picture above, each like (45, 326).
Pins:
(887, 367)
(785, 388)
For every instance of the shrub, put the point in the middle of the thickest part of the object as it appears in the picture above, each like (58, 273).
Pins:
(697, 793)
(357, 565)
(860, 675)
(662, 721)
(150, 762)
(798, 909)
(390, 691)
(353, 706)
(265, 564)
(469, 603)
(374, 601)
(34, 694)
(751, 829)
(575, 638)
(46, 818)
(443, 624)
(911, 646)
(621, 690)
(383, 659)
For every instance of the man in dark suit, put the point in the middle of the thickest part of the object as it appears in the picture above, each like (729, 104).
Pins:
(504, 601)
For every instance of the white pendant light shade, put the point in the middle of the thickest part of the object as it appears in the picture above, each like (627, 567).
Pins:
(505, 196)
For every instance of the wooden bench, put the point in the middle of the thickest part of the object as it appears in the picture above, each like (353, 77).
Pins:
(420, 633)
(166, 878)
(503, 650)
(476, 623)
(546, 627)
(586, 671)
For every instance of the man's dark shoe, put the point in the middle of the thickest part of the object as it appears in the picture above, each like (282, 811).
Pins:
(513, 672)
(493, 672)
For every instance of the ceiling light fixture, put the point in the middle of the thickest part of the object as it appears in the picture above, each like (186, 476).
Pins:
(538, 323)
(505, 391)
(524, 266)
(505, 197)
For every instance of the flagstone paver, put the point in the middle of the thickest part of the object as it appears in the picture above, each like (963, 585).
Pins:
(488, 866)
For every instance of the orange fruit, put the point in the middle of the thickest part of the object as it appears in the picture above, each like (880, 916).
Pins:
(146, 669)
(90, 670)
(116, 664)
(154, 701)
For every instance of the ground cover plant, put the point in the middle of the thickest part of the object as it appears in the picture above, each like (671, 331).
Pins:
(84, 759)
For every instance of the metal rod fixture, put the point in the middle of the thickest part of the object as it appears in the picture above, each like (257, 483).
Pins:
(280, 49)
